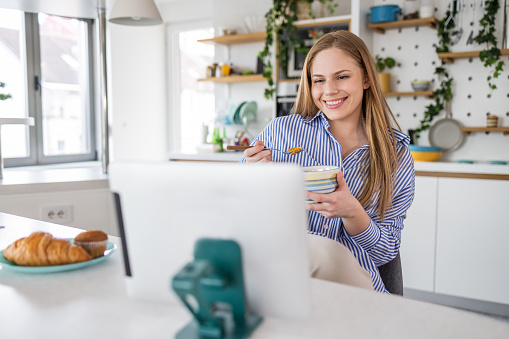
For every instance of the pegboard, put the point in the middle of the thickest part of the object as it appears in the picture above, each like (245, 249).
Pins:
(414, 52)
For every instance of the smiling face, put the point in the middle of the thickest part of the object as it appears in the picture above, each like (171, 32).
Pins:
(337, 85)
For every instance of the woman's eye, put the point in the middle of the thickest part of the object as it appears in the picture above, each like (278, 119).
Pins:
(317, 81)
(342, 77)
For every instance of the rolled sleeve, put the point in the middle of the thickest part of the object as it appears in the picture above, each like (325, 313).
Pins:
(368, 238)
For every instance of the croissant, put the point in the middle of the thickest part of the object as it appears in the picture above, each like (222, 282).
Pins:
(42, 249)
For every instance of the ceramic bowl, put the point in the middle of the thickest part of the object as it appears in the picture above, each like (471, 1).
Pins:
(321, 179)
(421, 85)
(426, 156)
(416, 148)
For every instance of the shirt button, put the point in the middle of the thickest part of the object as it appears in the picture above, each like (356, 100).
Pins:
(325, 227)
(356, 157)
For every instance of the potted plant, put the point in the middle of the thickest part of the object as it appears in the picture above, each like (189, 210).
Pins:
(280, 27)
(383, 77)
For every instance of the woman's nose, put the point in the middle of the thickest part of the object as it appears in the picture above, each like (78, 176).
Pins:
(331, 88)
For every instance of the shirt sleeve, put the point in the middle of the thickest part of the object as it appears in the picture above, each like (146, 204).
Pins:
(264, 135)
(382, 239)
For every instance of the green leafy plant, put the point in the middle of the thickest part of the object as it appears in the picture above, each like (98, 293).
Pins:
(443, 93)
(2, 95)
(280, 28)
(382, 63)
(490, 56)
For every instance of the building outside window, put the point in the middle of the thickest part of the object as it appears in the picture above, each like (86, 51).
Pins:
(46, 64)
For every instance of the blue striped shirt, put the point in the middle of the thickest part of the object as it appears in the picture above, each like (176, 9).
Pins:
(380, 242)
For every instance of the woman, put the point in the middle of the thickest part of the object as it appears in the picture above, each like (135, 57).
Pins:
(341, 119)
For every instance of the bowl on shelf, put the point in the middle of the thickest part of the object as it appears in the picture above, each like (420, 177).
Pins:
(420, 85)
(321, 179)
(425, 153)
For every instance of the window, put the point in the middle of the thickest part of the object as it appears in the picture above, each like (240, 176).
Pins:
(193, 101)
(47, 68)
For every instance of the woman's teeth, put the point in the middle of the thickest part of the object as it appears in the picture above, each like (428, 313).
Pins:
(334, 102)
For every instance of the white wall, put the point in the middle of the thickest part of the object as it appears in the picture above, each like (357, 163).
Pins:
(91, 209)
(138, 86)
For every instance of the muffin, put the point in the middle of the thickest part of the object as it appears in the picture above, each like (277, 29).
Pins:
(94, 242)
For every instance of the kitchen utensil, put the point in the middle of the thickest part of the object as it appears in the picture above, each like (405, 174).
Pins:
(446, 133)
(417, 148)
(425, 156)
(470, 39)
(504, 32)
(458, 32)
(247, 112)
(451, 13)
(384, 13)
(243, 148)
(321, 179)
(422, 85)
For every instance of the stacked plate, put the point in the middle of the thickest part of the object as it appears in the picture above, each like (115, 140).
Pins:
(425, 153)
(244, 113)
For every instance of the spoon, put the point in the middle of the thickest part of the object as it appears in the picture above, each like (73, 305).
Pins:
(292, 151)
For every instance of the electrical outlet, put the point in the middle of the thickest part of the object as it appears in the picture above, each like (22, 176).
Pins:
(60, 214)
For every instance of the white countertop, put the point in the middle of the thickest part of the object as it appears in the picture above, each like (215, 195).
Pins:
(438, 166)
(89, 175)
(53, 178)
(92, 303)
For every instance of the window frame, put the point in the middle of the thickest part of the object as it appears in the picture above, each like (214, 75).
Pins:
(34, 99)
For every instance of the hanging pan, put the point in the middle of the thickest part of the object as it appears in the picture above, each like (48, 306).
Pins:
(446, 133)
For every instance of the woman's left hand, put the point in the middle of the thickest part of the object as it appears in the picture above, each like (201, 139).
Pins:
(341, 204)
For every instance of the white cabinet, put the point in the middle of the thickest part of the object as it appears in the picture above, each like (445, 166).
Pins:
(472, 239)
(455, 238)
(418, 237)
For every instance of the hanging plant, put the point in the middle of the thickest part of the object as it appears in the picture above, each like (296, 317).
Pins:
(490, 56)
(443, 94)
(280, 27)
(2, 95)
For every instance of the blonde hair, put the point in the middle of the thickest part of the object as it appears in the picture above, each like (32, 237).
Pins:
(379, 120)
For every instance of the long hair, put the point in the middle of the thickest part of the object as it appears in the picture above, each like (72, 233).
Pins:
(378, 117)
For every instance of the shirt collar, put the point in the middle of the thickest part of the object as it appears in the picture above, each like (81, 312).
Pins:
(400, 136)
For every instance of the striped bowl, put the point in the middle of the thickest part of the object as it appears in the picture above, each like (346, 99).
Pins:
(321, 179)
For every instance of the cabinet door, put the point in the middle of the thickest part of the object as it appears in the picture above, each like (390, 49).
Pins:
(472, 239)
(418, 237)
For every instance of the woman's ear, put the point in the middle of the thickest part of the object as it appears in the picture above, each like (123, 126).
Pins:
(366, 84)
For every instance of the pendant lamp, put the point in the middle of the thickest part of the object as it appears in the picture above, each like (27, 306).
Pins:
(135, 13)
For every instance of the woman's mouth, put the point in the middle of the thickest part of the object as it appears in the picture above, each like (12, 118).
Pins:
(335, 103)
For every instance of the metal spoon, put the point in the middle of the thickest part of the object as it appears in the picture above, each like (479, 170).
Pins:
(243, 148)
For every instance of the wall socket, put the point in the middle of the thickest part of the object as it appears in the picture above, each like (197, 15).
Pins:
(60, 214)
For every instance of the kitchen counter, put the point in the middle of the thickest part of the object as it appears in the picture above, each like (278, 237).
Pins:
(92, 302)
(227, 156)
(421, 168)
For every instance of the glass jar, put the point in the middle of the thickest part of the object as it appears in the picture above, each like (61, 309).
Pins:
(427, 9)
(410, 9)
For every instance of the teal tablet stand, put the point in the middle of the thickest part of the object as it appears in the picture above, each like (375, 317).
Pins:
(212, 288)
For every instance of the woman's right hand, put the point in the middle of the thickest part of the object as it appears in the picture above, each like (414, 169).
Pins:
(257, 154)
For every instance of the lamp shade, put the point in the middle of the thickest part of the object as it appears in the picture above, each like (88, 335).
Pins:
(135, 13)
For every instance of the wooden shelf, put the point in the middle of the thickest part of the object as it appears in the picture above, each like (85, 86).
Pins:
(427, 94)
(332, 20)
(451, 56)
(237, 38)
(381, 27)
(236, 78)
(468, 130)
